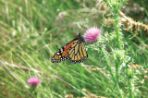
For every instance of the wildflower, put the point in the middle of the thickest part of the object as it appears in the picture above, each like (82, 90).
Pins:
(33, 81)
(92, 34)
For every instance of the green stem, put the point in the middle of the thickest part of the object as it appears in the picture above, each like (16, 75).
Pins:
(119, 42)
(117, 29)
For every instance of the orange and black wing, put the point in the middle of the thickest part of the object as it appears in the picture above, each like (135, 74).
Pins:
(74, 51)
(78, 53)
(63, 53)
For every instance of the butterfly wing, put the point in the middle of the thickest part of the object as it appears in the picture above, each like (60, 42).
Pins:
(78, 53)
(63, 53)
(74, 51)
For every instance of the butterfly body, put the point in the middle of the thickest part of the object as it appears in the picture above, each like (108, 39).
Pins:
(74, 51)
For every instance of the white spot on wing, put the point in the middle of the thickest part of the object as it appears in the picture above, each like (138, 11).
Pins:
(61, 50)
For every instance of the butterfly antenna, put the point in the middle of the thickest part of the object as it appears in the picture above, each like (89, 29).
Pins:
(79, 35)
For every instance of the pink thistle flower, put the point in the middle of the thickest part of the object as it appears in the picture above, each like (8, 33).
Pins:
(92, 34)
(33, 81)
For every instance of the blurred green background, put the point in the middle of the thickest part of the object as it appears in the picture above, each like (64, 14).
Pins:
(31, 31)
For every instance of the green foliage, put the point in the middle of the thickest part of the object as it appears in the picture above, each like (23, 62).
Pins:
(31, 31)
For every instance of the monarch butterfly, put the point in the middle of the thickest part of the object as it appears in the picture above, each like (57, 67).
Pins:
(74, 51)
